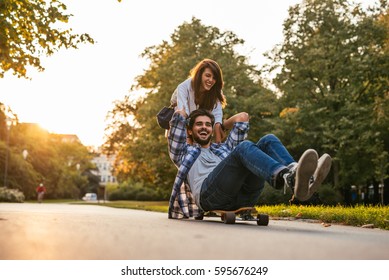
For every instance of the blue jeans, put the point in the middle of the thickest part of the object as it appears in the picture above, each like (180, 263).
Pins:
(238, 180)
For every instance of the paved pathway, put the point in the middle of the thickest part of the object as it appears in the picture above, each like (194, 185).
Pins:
(79, 232)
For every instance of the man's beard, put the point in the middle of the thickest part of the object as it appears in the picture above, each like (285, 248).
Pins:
(202, 141)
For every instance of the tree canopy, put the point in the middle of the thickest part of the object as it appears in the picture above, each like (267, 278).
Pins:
(30, 29)
(48, 159)
(332, 71)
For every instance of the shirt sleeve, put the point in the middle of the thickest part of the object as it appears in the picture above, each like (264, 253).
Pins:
(238, 134)
(183, 91)
(177, 139)
(218, 113)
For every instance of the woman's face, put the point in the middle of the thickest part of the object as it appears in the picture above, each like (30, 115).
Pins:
(207, 80)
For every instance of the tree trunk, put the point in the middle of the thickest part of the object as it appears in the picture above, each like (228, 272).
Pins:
(376, 195)
(335, 166)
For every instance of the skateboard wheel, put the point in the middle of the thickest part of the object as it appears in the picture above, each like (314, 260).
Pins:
(262, 219)
(200, 217)
(229, 218)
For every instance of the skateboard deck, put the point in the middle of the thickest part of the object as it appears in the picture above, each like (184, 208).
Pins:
(241, 214)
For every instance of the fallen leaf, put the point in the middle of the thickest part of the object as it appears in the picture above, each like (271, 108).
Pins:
(368, 226)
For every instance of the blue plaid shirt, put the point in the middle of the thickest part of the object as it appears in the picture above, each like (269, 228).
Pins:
(183, 155)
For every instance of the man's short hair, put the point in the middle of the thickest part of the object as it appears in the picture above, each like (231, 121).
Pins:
(197, 113)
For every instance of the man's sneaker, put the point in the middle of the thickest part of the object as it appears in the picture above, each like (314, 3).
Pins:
(303, 173)
(321, 172)
(278, 182)
(289, 178)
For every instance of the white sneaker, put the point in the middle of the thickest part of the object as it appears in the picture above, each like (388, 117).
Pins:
(304, 171)
(321, 172)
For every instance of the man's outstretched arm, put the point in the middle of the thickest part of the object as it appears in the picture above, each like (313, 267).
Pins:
(177, 137)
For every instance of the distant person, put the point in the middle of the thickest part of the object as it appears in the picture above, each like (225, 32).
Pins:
(204, 89)
(40, 190)
(232, 174)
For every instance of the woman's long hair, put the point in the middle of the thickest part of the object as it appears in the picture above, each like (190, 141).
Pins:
(208, 101)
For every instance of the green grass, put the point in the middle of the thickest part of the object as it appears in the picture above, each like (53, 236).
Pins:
(360, 215)
(53, 201)
(156, 206)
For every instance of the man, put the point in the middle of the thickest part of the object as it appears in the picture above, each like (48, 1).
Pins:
(41, 189)
(232, 174)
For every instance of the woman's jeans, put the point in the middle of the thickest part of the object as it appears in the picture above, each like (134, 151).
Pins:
(238, 180)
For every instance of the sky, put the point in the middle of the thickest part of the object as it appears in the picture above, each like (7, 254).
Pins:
(78, 87)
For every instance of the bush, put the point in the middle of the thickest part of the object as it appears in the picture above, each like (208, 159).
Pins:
(326, 195)
(271, 196)
(329, 196)
(134, 191)
(11, 195)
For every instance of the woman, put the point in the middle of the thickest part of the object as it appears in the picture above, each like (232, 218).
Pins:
(204, 89)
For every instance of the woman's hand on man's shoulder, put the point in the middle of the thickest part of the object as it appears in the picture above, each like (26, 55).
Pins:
(182, 113)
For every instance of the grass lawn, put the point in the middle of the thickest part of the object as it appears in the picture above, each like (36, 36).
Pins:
(367, 216)
(157, 206)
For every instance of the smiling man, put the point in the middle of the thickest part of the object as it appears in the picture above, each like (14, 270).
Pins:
(232, 174)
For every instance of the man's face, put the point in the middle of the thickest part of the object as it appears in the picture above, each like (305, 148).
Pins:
(202, 131)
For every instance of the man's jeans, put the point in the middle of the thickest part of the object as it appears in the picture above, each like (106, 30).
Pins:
(238, 180)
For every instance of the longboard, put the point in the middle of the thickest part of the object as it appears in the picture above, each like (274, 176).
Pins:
(229, 217)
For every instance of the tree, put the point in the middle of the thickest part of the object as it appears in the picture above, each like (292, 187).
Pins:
(332, 71)
(141, 145)
(49, 160)
(30, 28)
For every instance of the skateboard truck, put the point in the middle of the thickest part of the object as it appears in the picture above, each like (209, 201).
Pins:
(241, 214)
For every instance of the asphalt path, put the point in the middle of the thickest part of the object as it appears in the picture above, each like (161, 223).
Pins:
(46, 231)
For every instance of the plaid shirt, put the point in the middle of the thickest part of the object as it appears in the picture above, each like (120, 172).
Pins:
(183, 155)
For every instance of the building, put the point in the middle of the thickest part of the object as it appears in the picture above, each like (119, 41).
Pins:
(104, 165)
(68, 138)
